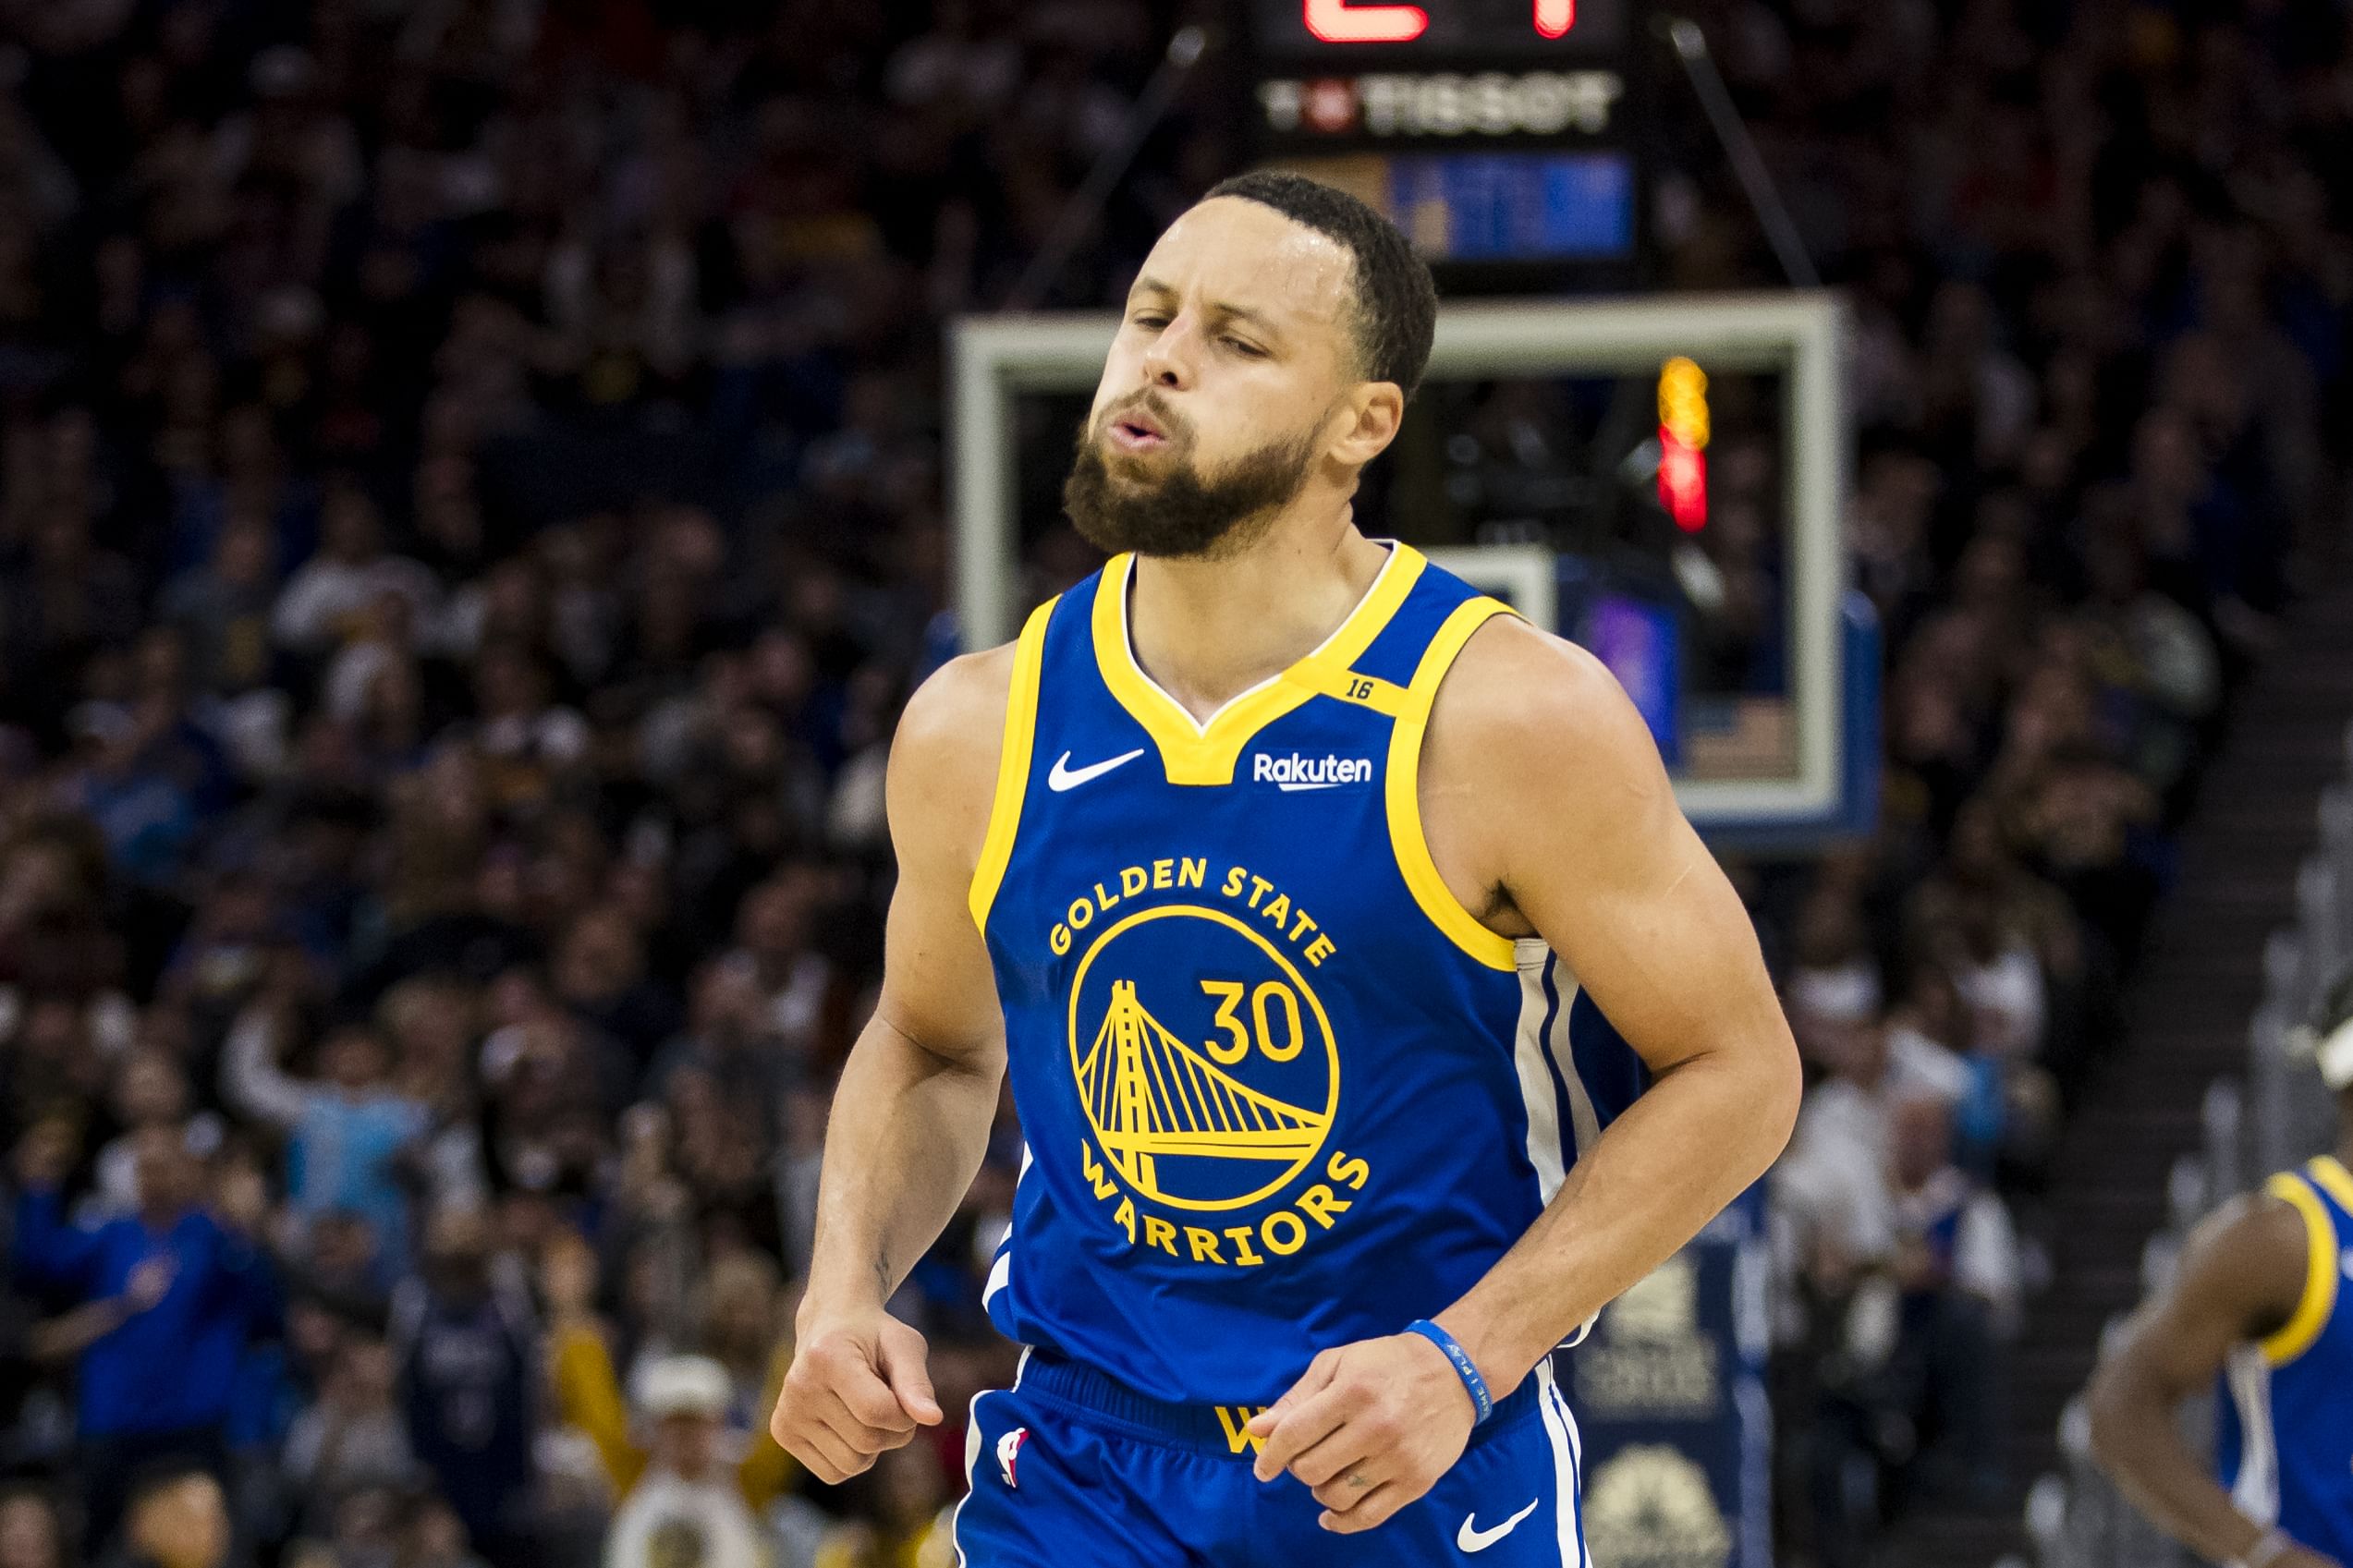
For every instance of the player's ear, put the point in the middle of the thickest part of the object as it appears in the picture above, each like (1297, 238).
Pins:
(1369, 417)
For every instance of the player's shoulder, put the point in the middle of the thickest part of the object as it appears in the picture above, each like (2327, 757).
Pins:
(958, 710)
(1517, 693)
(2254, 1248)
(944, 758)
(2265, 1215)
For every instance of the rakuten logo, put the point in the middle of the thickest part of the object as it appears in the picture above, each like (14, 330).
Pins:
(1298, 773)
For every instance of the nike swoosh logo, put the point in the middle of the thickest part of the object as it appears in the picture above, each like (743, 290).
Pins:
(1473, 1538)
(1064, 777)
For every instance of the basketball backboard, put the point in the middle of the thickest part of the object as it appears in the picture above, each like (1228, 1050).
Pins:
(1772, 745)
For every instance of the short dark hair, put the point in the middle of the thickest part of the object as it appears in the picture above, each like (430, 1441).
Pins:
(1397, 301)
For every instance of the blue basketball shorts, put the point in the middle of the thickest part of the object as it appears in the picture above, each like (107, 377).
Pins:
(1071, 1470)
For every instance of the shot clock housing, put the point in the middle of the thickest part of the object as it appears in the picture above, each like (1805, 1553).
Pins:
(1504, 136)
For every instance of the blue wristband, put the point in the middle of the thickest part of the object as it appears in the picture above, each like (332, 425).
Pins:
(1466, 1368)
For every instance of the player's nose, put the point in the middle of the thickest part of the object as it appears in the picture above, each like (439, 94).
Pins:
(1172, 361)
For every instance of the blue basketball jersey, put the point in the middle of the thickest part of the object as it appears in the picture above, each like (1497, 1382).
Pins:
(2286, 1444)
(1280, 1090)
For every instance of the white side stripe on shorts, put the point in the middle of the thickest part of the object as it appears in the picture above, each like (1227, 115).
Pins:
(972, 1454)
(1568, 1507)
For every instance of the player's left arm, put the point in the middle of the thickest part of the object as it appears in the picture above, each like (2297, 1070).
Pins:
(1550, 814)
(1573, 832)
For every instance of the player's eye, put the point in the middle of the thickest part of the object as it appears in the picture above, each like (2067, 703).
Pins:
(1246, 350)
(1150, 320)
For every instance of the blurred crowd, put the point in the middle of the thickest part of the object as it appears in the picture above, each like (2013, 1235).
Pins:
(2098, 257)
(470, 508)
(470, 496)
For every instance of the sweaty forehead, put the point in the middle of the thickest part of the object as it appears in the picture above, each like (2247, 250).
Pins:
(1236, 252)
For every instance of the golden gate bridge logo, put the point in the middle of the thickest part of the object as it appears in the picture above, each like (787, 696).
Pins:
(1173, 1117)
(1151, 1095)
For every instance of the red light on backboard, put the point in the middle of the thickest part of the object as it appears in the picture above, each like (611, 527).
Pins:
(1554, 18)
(1683, 481)
(1337, 21)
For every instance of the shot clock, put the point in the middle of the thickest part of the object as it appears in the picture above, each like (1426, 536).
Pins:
(1466, 28)
(1497, 133)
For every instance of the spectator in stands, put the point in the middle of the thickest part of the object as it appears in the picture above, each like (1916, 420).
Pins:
(328, 599)
(437, 1540)
(589, 1390)
(465, 1344)
(599, 973)
(773, 937)
(747, 1330)
(728, 1040)
(348, 1132)
(529, 744)
(368, 1525)
(1931, 1036)
(150, 1091)
(176, 1518)
(2013, 945)
(907, 1523)
(1957, 1264)
(1832, 1181)
(223, 609)
(1834, 978)
(685, 1507)
(31, 1534)
(188, 1287)
(352, 1437)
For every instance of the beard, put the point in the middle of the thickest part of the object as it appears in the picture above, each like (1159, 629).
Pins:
(1182, 512)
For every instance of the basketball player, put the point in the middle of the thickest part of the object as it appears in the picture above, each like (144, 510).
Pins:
(1325, 915)
(2261, 1300)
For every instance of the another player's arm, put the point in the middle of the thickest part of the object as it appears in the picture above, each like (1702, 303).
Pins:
(912, 1112)
(2240, 1278)
(1549, 812)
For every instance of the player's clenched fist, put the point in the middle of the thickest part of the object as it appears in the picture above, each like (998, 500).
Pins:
(1369, 1426)
(857, 1388)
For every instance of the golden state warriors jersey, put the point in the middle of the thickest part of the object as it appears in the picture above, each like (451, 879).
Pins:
(1280, 1090)
(2286, 1444)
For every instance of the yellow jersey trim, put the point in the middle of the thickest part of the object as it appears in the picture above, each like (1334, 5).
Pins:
(2319, 1301)
(1013, 764)
(1195, 753)
(1406, 836)
(1363, 691)
(2335, 1178)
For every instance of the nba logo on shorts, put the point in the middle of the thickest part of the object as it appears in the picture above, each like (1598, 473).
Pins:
(1008, 1451)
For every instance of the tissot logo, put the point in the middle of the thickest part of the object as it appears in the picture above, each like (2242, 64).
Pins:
(1297, 772)
(1446, 104)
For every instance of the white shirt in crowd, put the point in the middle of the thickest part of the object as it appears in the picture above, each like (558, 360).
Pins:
(712, 1513)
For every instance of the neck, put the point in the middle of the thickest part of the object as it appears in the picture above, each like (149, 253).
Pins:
(1208, 630)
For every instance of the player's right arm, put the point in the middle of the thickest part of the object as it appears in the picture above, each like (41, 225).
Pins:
(2240, 1278)
(912, 1112)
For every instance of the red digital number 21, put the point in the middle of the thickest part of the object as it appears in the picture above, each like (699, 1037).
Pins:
(1338, 22)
